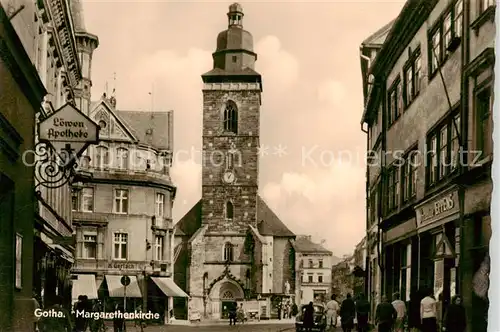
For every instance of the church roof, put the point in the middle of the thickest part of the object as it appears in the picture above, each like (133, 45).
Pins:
(306, 245)
(268, 222)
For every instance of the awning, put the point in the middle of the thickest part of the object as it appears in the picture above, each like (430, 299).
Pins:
(84, 284)
(116, 288)
(168, 287)
(63, 252)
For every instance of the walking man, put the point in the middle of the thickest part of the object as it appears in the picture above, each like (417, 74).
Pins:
(400, 308)
(332, 309)
(385, 316)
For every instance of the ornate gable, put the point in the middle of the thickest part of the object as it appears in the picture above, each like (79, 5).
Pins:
(112, 127)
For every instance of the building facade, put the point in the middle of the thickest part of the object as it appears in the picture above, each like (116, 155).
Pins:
(123, 214)
(231, 246)
(313, 270)
(432, 85)
(45, 31)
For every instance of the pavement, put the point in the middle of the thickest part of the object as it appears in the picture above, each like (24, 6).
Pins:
(263, 326)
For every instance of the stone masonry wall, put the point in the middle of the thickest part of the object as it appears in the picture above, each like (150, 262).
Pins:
(282, 270)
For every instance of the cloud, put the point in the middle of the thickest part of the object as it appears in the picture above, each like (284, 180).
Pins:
(279, 68)
(332, 92)
(320, 203)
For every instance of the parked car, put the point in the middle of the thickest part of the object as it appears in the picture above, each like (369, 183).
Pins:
(319, 318)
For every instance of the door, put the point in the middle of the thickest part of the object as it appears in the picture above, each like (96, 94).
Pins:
(226, 307)
(6, 250)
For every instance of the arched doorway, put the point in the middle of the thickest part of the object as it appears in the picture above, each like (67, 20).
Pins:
(224, 295)
(229, 293)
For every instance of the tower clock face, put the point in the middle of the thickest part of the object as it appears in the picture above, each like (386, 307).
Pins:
(229, 177)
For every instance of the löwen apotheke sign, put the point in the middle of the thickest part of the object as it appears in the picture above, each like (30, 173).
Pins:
(68, 124)
(438, 208)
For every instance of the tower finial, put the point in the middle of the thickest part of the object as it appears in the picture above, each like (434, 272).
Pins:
(235, 15)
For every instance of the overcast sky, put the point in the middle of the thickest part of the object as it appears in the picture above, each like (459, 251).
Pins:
(308, 55)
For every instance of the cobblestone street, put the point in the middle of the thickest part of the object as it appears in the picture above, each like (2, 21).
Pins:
(217, 328)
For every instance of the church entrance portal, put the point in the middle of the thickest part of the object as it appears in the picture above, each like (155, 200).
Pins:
(224, 296)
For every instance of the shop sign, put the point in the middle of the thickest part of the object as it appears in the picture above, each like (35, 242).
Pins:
(122, 266)
(441, 207)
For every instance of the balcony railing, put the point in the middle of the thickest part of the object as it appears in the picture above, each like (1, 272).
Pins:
(162, 223)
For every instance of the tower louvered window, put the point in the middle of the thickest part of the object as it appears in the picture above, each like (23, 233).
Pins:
(231, 118)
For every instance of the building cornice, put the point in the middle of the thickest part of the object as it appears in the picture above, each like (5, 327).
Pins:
(64, 38)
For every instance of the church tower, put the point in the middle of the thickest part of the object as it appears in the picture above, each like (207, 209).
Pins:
(231, 118)
(86, 44)
(230, 245)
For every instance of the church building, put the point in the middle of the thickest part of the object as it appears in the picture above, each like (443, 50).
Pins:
(231, 247)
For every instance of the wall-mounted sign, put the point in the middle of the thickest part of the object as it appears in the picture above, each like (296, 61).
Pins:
(122, 266)
(440, 207)
(68, 129)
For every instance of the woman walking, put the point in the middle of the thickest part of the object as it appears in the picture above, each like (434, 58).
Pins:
(455, 319)
(428, 313)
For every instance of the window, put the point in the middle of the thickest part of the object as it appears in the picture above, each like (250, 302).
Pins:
(310, 278)
(320, 262)
(120, 246)
(231, 118)
(89, 246)
(88, 199)
(443, 150)
(444, 37)
(405, 277)
(121, 201)
(101, 157)
(122, 158)
(19, 261)
(229, 160)
(483, 107)
(395, 105)
(229, 211)
(159, 248)
(409, 171)
(160, 204)
(320, 278)
(228, 252)
(435, 51)
(235, 58)
(413, 77)
(311, 264)
(485, 4)
(393, 187)
(75, 200)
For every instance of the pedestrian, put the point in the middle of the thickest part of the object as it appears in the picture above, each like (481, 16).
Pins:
(455, 319)
(232, 314)
(241, 314)
(414, 322)
(56, 324)
(295, 309)
(428, 313)
(385, 315)
(347, 313)
(80, 308)
(400, 308)
(332, 310)
(36, 305)
(362, 313)
(119, 320)
(308, 319)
